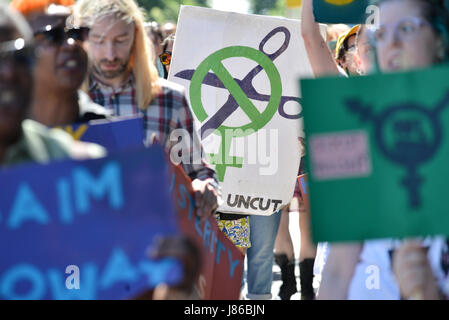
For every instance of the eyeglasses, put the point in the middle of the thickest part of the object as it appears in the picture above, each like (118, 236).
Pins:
(57, 36)
(165, 58)
(405, 30)
(16, 53)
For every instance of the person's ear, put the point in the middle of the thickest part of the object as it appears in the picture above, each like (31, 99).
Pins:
(161, 292)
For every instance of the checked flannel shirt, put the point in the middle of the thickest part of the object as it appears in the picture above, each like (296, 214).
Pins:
(168, 111)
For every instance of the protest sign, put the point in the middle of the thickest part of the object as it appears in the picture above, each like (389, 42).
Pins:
(341, 11)
(222, 269)
(88, 220)
(239, 72)
(378, 149)
(114, 135)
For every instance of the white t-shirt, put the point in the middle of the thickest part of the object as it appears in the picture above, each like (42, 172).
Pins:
(373, 276)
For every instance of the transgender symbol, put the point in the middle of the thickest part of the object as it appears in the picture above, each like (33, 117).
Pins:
(241, 92)
(408, 135)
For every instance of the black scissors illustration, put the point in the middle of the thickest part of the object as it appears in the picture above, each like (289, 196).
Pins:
(246, 84)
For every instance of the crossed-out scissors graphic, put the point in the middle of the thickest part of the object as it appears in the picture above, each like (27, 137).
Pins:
(240, 93)
(246, 85)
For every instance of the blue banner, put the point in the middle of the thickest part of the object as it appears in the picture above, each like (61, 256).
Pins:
(81, 229)
(114, 135)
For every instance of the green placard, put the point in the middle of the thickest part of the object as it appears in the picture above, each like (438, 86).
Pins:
(340, 11)
(378, 154)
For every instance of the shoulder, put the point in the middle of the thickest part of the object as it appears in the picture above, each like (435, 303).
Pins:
(171, 95)
(58, 144)
(90, 110)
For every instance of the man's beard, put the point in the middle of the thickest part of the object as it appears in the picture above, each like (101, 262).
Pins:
(111, 74)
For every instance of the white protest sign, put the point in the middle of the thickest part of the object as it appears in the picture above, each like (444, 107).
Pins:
(241, 75)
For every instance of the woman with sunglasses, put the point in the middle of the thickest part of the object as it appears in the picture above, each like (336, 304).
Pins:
(412, 34)
(25, 141)
(61, 65)
(166, 55)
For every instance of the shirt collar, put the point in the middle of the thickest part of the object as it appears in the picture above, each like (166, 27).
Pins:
(95, 83)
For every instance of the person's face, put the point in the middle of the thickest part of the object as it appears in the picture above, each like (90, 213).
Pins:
(348, 62)
(59, 64)
(170, 50)
(110, 45)
(15, 83)
(404, 39)
(365, 52)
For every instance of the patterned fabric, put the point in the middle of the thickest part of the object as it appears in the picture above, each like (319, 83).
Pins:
(236, 230)
(168, 111)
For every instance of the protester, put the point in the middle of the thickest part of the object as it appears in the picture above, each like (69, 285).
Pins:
(260, 259)
(322, 61)
(346, 49)
(124, 81)
(333, 32)
(167, 52)
(168, 28)
(412, 34)
(155, 34)
(284, 253)
(61, 65)
(24, 141)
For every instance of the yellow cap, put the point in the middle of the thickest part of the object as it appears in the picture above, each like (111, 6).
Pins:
(343, 37)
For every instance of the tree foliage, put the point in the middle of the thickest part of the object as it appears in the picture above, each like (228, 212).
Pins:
(167, 10)
(268, 7)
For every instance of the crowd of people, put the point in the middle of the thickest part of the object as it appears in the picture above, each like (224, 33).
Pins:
(63, 62)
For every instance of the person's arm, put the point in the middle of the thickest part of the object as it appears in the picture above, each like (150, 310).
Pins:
(338, 271)
(413, 273)
(205, 184)
(320, 56)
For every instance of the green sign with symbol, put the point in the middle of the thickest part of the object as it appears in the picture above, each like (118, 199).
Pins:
(378, 153)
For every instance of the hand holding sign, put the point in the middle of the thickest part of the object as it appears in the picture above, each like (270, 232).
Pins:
(206, 198)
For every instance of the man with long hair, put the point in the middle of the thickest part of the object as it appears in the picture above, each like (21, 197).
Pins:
(125, 81)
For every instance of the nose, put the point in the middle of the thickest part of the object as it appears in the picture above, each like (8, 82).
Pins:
(393, 38)
(109, 51)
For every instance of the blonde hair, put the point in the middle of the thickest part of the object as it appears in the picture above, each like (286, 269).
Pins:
(142, 56)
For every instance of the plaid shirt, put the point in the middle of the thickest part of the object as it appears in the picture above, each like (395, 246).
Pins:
(168, 111)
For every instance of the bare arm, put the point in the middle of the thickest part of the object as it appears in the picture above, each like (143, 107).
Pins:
(338, 271)
(320, 56)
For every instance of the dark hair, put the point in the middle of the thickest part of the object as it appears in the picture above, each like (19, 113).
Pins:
(154, 29)
(344, 47)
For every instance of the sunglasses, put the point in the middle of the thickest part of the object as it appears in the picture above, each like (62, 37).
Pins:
(165, 58)
(58, 35)
(16, 53)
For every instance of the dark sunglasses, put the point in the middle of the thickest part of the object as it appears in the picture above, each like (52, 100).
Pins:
(165, 58)
(57, 36)
(17, 53)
